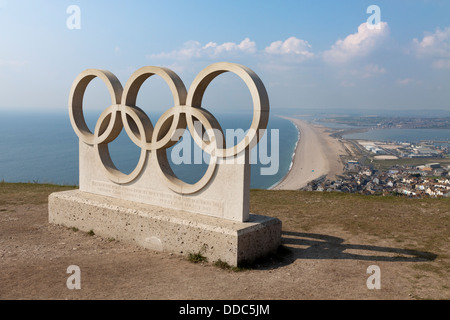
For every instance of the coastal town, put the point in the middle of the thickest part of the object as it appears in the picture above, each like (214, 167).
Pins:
(429, 181)
(400, 169)
(325, 161)
(381, 122)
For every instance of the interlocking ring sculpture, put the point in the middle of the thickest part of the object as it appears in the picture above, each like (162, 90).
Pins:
(123, 113)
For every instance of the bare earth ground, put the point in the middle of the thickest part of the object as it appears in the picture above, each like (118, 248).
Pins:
(330, 240)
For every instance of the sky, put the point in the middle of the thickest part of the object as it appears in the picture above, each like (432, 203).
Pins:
(310, 54)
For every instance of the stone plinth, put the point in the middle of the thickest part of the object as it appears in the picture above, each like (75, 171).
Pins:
(167, 230)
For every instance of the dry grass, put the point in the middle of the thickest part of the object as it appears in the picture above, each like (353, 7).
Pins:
(27, 193)
(425, 221)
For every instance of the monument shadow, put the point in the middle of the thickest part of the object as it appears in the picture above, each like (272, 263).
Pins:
(300, 245)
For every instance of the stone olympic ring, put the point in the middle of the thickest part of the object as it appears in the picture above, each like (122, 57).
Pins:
(123, 113)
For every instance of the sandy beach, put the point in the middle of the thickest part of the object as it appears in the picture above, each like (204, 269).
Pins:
(317, 154)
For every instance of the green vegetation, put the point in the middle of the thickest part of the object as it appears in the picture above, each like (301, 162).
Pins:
(223, 265)
(386, 164)
(363, 121)
(391, 122)
(197, 257)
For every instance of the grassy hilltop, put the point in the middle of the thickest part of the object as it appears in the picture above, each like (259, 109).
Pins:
(404, 220)
(332, 234)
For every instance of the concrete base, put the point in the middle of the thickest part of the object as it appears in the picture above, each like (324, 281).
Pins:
(167, 230)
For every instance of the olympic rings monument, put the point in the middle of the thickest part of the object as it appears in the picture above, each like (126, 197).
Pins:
(151, 207)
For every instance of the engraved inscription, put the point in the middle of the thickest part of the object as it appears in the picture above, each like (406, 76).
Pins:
(198, 205)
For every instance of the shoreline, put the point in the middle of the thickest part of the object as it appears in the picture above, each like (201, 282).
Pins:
(316, 155)
(291, 165)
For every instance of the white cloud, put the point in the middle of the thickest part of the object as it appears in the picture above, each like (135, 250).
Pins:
(434, 45)
(442, 64)
(194, 49)
(358, 44)
(215, 49)
(291, 46)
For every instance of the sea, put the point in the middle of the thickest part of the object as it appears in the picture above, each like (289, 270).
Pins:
(43, 148)
(439, 137)
(436, 137)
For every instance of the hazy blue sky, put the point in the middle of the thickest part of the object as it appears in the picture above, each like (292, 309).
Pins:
(309, 54)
